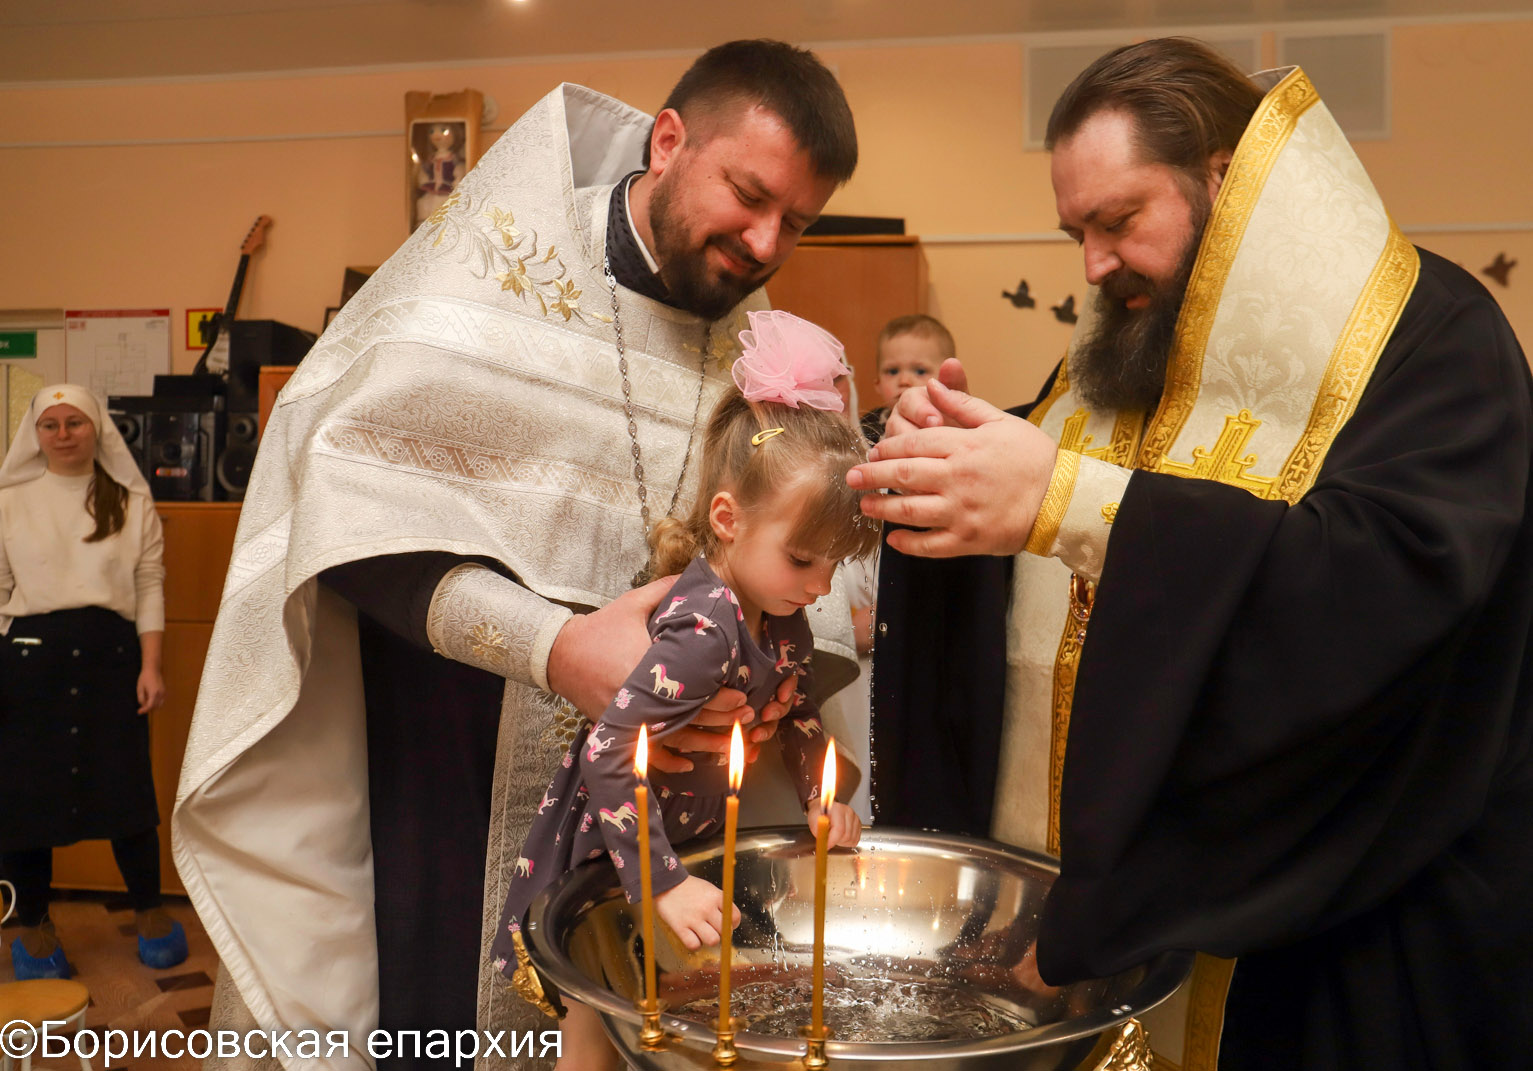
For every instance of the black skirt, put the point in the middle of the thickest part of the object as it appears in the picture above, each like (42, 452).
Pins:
(74, 751)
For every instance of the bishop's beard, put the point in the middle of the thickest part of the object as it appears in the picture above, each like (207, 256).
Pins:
(1122, 364)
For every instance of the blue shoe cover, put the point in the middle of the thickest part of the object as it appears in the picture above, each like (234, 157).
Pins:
(28, 966)
(162, 952)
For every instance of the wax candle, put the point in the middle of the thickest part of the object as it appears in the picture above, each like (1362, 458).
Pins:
(724, 1052)
(821, 856)
(646, 897)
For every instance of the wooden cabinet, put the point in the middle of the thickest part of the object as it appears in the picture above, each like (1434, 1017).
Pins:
(199, 539)
(271, 379)
(852, 287)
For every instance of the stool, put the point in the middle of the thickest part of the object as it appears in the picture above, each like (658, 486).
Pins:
(38, 1001)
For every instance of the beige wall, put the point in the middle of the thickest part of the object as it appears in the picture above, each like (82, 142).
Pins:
(940, 127)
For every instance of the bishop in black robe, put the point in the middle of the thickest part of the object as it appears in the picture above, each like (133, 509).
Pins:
(1301, 734)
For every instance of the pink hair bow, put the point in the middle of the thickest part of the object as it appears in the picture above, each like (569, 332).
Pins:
(789, 360)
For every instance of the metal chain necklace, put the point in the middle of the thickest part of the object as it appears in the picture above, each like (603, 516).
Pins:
(643, 575)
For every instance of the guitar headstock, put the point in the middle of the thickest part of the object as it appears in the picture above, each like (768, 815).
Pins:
(257, 236)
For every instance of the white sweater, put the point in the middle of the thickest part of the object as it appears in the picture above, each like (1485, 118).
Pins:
(46, 565)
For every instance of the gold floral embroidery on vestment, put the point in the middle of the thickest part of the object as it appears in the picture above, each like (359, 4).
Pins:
(566, 298)
(722, 344)
(504, 222)
(515, 278)
(486, 638)
(440, 214)
(487, 237)
(564, 724)
(1110, 512)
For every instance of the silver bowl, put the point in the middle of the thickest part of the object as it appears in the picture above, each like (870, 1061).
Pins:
(924, 932)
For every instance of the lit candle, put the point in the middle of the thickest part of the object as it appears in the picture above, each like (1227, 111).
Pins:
(646, 899)
(821, 854)
(724, 1053)
(732, 815)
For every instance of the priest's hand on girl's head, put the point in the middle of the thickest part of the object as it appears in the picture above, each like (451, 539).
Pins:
(724, 708)
(593, 653)
(694, 910)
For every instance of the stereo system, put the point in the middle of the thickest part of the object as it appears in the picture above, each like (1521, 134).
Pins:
(174, 441)
(195, 438)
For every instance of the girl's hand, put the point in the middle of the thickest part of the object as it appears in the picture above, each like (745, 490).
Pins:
(694, 910)
(845, 826)
(151, 689)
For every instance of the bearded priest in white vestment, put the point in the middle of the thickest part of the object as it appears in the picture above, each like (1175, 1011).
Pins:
(432, 574)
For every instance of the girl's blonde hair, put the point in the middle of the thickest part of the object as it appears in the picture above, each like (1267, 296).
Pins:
(810, 457)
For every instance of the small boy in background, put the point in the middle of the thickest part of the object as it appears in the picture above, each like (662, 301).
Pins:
(910, 349)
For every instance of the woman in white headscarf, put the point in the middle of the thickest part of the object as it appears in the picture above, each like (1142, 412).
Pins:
(82, 619)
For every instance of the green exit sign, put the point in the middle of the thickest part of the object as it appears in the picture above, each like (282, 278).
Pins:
(18, 344)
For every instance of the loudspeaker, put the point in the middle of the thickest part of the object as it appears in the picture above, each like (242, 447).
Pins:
(237, 457)
(131, 415)
(253, 343)
(179, 453)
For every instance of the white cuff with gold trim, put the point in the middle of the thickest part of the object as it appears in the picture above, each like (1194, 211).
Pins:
(480, 618)
(1079, 507)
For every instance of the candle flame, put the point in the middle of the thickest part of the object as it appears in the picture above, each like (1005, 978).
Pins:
(828, 781)
(736, 758)
(641, 755)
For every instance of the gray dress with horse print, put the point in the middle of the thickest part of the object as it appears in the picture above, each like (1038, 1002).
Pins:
(699, 644)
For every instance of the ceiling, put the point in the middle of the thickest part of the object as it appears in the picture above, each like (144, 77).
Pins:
(75, 40)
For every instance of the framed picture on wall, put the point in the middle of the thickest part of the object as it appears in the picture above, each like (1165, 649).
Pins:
(441, 143)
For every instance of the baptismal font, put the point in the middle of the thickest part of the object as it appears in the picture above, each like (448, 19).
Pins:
(912, 950)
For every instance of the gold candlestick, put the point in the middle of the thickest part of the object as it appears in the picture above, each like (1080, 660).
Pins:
(724, 1052)
(651, 1037)
(821, 856)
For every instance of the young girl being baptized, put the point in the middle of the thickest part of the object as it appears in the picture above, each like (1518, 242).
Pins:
(772, 519)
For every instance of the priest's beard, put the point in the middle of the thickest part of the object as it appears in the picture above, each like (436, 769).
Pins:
(1122, 365)
(690, 282)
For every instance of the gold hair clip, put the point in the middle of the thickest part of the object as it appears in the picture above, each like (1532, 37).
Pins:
(765, 434)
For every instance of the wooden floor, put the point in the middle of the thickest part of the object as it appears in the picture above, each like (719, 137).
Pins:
(98, 936)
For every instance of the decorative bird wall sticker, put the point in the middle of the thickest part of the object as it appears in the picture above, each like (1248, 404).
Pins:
(1064, 312)
(1499, 269)
(1021, 298)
